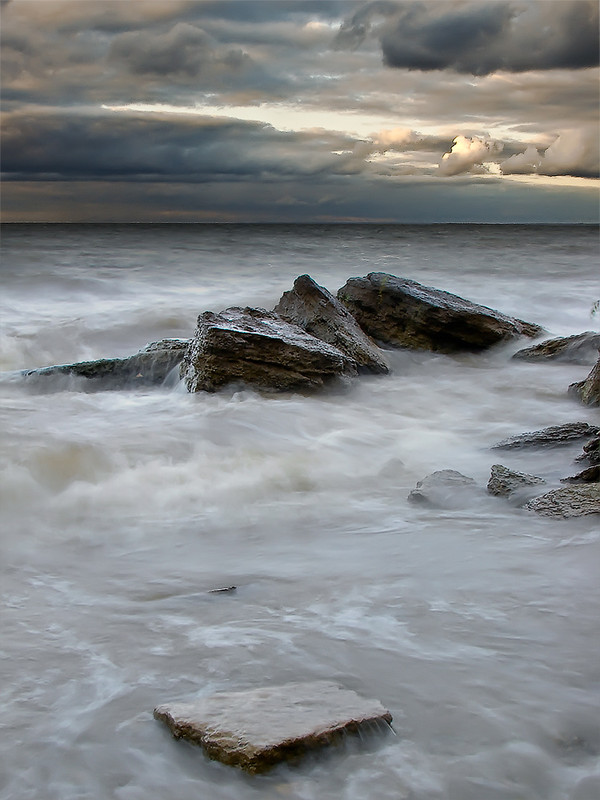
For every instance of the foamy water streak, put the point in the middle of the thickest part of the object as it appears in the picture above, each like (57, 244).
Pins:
(475, 626)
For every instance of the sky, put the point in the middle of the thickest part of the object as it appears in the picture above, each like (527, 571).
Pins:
(300, 111)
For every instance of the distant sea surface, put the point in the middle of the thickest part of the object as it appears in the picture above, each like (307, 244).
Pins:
(476, 626)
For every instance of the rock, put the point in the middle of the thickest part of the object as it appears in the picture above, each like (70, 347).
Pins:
(403, 313)
(588, 391)
(259, 728)
(554, 435)
(256, 347)
(321, 314)
(504, 481)
(149, 367)
(591, 451)
(571, 501)
(579, 349)
(445, 488)
(589, 475)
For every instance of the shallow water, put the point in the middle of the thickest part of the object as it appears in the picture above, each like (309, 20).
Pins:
(475, 625)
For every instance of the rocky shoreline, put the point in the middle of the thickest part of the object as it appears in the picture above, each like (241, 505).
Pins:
(313, 339)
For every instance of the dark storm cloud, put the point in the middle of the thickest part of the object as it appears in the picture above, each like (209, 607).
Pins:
(479, 38)
(64, 147)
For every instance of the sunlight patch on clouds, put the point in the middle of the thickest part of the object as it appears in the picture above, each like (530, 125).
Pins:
(280, 116)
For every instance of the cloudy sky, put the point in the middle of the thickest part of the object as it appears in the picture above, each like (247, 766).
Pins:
(300, 110)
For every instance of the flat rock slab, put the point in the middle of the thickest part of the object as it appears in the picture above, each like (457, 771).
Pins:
(571, 501)
(258, 728)
(579, 349)
(256, 347)
(404, 313)
(321, 314)
(554, 435)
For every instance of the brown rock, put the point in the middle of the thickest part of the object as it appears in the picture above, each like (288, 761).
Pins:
(579, 349)
(259, 728)
(403, 313)
(321, 314)
(256, 347)
(588, 391)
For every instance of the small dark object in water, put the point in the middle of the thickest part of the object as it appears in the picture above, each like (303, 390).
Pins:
(224, 590)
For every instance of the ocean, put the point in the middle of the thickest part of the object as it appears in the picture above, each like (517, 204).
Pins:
(476, 625)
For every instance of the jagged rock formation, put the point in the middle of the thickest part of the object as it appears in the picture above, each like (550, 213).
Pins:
(403, 313)
(504, 481)
(256, 347)
(321, 314)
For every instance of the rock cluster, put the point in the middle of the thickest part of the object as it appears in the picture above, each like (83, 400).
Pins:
(310, 339)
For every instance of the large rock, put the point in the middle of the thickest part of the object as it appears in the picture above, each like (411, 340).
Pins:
(588, 391)
(403, 313)
(149, 367)
(259, 728)
(445, 488)
(504, 481)
(256, 347)
(319, 313)
(571, 501)
(579, 349)
(554, 435)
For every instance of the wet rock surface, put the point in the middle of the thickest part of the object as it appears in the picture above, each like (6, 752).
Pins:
(149, 367)
(568, 501)
(553, 435)
(255, 347)
(404, 313)
(258, 728)
(504, 482)
(589, 475)
(321, 314)
(591, 451)
(588, 391)
(579, 349)
(445, 488)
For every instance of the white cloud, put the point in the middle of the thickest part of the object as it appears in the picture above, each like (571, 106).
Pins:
(466, 153)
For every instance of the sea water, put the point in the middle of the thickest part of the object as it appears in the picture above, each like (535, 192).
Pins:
(476, 625)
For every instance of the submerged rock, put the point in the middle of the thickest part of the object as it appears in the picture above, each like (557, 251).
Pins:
(588, 391)
(569, 501)
(256, 347)
(445, 488)
(149, 367)
(554, 435)
(403, 313)
(321, 314)
(504, 481)
(258, 728)
(579, 349)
